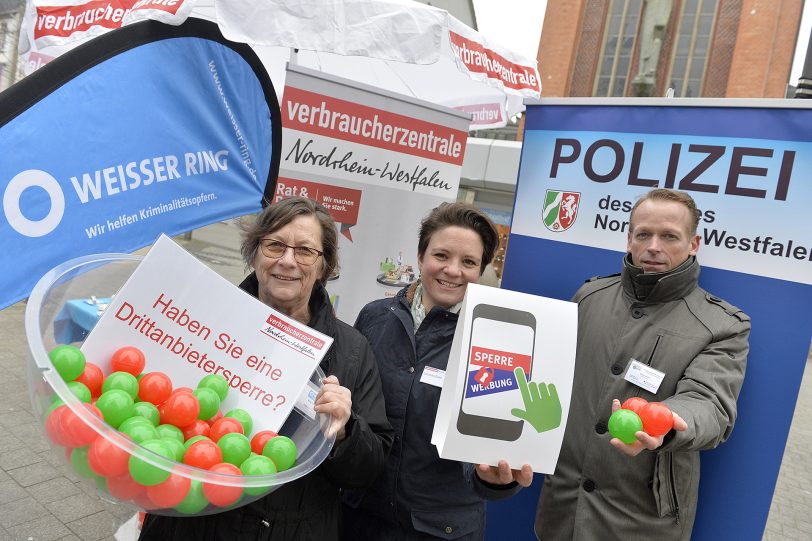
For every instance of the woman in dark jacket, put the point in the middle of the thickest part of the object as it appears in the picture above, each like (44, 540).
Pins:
(292, 248)
(421, 496)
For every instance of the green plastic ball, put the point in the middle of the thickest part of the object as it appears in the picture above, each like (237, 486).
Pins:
(244, 418)
(215, 382)
(116, 406)
(209, 402)
(282, 451)
(138, 429)
(55, 403)
(623, 424)
(80, 390)
(68, 360)
(176, 447)
(121, 380)
(170, 432)
(148, 411)
(194, 502)
(78, 461)
(145, 473)
(188, 443)
(257, 465)
(236, 448)
(133, 421)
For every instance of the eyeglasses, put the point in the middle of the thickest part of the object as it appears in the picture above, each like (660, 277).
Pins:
(275, 249)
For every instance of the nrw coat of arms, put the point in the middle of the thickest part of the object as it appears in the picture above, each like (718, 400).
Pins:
(560, 210)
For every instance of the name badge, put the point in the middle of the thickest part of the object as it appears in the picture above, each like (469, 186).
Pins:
(644, 376)
(432, 376)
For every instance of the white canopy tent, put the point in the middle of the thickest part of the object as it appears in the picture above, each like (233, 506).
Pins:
(398, 45)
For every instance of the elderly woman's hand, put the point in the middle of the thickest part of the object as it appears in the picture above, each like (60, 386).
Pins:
(336, 401)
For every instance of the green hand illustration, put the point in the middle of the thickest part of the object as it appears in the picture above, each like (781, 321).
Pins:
(542, 408)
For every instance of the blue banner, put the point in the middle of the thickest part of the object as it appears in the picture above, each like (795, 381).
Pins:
(148, 129)
(584, 164)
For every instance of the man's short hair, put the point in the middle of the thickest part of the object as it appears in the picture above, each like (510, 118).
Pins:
(664, 194)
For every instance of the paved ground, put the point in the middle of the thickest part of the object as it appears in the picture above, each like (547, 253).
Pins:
(40, 501)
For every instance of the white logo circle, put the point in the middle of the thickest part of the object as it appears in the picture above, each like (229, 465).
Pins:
(11, 203)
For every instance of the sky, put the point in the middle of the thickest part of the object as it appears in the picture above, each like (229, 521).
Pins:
(516, 24)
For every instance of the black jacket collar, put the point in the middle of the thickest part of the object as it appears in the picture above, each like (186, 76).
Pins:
(657, 287)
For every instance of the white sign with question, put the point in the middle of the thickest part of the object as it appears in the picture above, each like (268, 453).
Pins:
(190, 322)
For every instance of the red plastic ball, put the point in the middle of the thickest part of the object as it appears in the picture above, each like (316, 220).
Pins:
(197, 428)
(154, 387)
(93, 378)
(217, 417)
(224, 426)
(77, 432)
(142, 500)
(124, 487)
(260, 439)
(169, 493)
(107, 459)
(53, 426)
(634, 403)
(203, 454)
(180, 409)
(222, 495)
(657, 418)
(128, 359)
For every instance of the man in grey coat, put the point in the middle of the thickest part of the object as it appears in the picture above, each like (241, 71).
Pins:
(652, 318)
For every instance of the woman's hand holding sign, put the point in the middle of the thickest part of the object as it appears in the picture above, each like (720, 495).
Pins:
(503, 475)
(336, 401)
(542, 408)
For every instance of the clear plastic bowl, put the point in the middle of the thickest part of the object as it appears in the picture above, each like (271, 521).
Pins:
(102, 275)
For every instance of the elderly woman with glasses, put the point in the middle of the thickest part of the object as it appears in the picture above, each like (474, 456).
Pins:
(292, 247)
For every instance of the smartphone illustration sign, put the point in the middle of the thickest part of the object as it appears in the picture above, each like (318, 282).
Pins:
(501, 340)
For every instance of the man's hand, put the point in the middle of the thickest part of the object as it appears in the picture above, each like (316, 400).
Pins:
(644, 441)
(503, 475)
(336, 401)
(542, 408)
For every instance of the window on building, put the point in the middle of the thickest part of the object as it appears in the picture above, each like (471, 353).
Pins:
(618, 47)
(691, 47)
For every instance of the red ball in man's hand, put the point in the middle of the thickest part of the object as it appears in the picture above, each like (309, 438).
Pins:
(634, 403)
(657, 418)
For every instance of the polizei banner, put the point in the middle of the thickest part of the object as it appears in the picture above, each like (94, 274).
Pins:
(746, 163)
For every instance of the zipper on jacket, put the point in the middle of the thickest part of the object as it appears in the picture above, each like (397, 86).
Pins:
(654, 349)
(674, 498)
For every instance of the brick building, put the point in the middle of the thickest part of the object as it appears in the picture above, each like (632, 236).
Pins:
(700, 48)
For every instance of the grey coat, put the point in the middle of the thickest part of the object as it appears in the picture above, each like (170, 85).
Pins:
(700, 342)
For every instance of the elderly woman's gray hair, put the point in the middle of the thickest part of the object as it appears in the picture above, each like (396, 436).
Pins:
(277, 215)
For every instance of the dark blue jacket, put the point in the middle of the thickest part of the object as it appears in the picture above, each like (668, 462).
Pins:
(419, 495)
